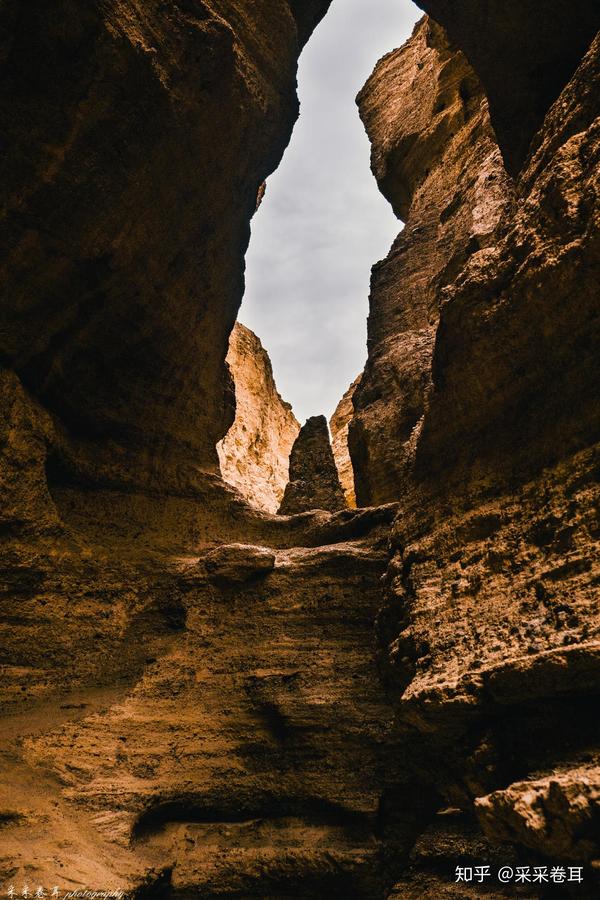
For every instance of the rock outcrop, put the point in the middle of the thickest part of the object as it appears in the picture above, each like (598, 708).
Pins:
(254, 454)
(314, 481)
(523, 58)
(338, 426)
(237, 563)
(554, 816)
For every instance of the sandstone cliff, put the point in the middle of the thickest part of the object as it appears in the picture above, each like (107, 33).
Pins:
(138, 136)
(485, 318)
(339, 425)
(524, 55)
(436, 159)
(254, 454)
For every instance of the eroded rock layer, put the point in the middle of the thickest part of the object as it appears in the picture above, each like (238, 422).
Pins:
(207, 739)
(254, 454)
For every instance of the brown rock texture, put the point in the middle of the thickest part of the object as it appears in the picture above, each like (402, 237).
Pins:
(314, 481)
(254, 454)
(225, 732)
(25, 432)
(338, 426)
(489, 636)
(138, 135)
(236, 563)
(436, 159)
(203, 699)
(555, 816)
(524, 54)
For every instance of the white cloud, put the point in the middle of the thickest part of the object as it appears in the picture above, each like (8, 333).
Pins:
(323, 222)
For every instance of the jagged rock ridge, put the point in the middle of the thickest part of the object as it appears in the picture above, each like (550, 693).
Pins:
(485, 317)
(436, 159)
(254, 454)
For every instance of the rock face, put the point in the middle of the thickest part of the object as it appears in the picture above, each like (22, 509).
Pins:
(314, 481)
(339, 425)
(436, 159)
(485, 318)
(523, 59)
(138, 137)
(236, 740)
(254, 454)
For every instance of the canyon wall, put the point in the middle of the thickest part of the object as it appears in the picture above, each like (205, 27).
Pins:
(138, 136)
(254, 454)
(437, 161)
(478, 411)
(524, 55)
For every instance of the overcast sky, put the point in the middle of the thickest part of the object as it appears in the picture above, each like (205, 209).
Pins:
(323, 222)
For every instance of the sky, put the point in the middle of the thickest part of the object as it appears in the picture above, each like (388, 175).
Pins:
(323, 223)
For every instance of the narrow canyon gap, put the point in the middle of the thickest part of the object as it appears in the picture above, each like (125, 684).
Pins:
(323, 223)
(320, 225)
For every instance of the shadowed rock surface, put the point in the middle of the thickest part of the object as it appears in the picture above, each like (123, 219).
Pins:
(138, 136)
(524, 54)
(314, 481)
(478, 411)
(254, 454)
